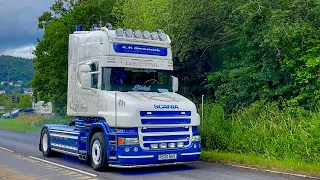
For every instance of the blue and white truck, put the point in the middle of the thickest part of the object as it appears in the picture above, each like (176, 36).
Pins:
(121, 89)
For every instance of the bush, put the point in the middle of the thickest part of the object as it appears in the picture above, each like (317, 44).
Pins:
(264, 130)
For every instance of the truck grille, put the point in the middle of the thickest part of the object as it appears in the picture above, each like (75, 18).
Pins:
(165, 127)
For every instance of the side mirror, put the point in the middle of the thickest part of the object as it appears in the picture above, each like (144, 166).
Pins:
(175, 84)
(85, 76)
(85, 68)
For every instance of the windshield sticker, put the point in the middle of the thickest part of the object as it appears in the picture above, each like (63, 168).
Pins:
(140, 70)
(138, 49)
(163, 90)
(164, 106)
(141, 88)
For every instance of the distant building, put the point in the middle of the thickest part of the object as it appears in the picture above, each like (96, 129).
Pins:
(17, 85)
(19, 82)
(28, 91)
(2, 83)
(10, 83)
(2, 92)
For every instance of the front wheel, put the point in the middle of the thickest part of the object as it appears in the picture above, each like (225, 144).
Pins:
(44, 143)
(98, 151)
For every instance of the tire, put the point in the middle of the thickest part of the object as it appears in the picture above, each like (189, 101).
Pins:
(98, 152)
(44, 143)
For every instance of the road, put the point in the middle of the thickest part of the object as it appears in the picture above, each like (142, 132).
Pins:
(24, 160)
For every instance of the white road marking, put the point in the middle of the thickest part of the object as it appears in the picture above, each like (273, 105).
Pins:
(62, 166)
(5, 149)
(276, 172)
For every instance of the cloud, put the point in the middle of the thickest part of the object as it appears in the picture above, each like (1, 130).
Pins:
(19, 19)
(25, 51)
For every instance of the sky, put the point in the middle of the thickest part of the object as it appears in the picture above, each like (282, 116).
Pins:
(18, 26)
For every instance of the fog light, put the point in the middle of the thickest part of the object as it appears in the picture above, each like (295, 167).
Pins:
(180, 144)
(135, 149)
(154, 146)
(195, 146)
(172, 145)
(163, 145)
(127, 149)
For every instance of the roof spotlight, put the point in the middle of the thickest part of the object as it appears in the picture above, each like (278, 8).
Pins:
(159, 31)
(163, 36)
(137, 34)
(119, 32)
(154, 36)
(129, 32)
(109, 26)
(146, 34)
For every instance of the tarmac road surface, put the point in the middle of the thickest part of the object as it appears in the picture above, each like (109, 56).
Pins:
(27, 161)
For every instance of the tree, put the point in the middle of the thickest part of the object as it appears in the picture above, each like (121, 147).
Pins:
(51, 62)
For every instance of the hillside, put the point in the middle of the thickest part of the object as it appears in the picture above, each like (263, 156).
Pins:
(20, 69)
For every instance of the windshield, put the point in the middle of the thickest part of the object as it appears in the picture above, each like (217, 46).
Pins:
(134, 79)
(15, 111)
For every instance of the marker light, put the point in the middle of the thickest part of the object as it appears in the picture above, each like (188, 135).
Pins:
(154, 36)
(146, 34)
(129, 32)
(163, 36)
(78, 28)
(180, 144)
(95, 27)
(163, 145)
(137, 34)
(119, 32)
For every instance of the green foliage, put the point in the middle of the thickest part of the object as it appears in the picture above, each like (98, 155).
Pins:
(31, 123)
(233, 52)
(264, 130)
(19, 69)
(51, 62)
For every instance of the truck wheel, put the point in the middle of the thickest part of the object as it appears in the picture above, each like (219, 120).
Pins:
(98, 151)
(44, 142)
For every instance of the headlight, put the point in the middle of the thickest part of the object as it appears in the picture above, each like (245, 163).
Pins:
(154, 146)
(196, 138)
(163, 145)
(128, 141)
(172, 145)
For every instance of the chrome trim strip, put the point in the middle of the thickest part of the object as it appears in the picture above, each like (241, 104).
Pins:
(64, 146)
(134, 157)
(194, 153)
(164, 141)
(150, 165)
(63, 136)
(166, 133)
(65, 152)
(62, 131)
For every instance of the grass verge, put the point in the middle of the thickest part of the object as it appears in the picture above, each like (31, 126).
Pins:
(286, 165)
(30, 123)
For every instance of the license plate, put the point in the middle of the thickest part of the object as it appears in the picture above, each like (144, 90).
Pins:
(167, 156)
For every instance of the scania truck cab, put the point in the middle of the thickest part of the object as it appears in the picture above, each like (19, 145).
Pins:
(123, 94)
